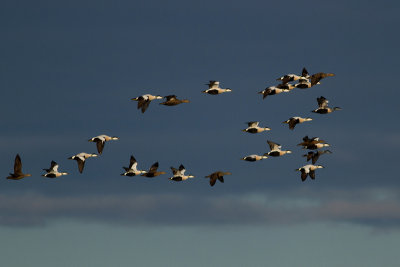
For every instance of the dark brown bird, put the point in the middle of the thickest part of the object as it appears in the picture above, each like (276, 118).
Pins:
(173, 101)
(218, 175)
(315, 78)
(323, 106)
(314, 156)
(17, 175)
(153, 171)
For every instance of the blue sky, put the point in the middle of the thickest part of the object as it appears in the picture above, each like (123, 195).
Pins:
(69, 70)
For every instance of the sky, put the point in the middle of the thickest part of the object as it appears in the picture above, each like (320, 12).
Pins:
(68, 70)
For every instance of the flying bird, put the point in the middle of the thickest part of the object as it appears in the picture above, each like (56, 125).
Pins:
(293, 77)
(218, 175)
(254, 157)
(18, 174)
(254, 128)
(296, 120)
(314, 156)
(81, 158)
(315, 78)
(100, 141)
(153, 171)
(173, 101)
(308, 170)
(323, 106)
(179, 174)
(272, 90)
(53, 172)
(276, 150)
(214, 89)
(132, 169)
(310, 141)
(144, 101)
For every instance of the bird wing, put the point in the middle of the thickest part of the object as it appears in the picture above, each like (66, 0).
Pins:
(213, 179)
(182, 170)
(292, 123)
(53, 166)
(81, 164)
(144, 105)
(132, 162)
(213, 85)
(312, 174)
(303, 175)
(175, 171)
(253, 123)
(315, 157)
(322, 102)
(100, 146)
(17, 165)
(304, 73)
(273, 146)
(170, 97)
(153, 167)
(315, 78)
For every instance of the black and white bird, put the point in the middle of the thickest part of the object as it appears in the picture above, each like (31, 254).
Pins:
(81, 158)
(179, 174)
(100, 141)
(293, 77)
(272, 90)
(276, 150)
(132, 169)
(144, 101)
(323, 106)
(53, 172)
(296, 120)
(254, 157)
(308, 170)
(254, 128)
(214, 89)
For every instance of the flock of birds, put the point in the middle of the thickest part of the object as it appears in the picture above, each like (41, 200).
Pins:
(304, 81)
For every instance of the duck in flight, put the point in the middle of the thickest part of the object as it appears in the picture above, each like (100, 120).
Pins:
(179, 174)
(314, 156)
(323, 106)
(100, 141)
(144, 101)
(293, 77)
(53, 172)
(308, 170)
(153, 171)
(173, 101)
(315, 78)
(218, 175)
(293, 121)
(254, 157)
(132, 169)
(254, 128)
(81, 158)
(272, 90)
(18, 174)
(276, 150)
(214, 89)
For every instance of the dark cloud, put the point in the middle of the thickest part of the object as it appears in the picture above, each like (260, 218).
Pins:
(377, 209)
